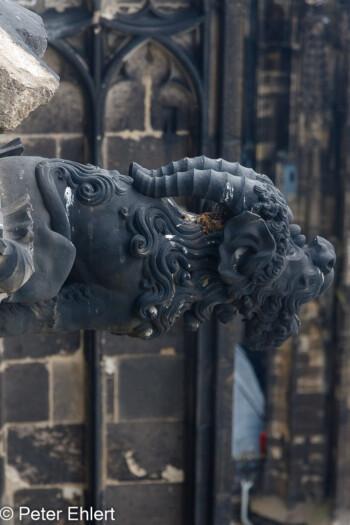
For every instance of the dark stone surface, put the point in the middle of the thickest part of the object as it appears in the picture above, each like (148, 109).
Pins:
(306, 450)
(63, 114)
(68, 389)
(24, 27)
(171, 108)
(37, 146)
(149, 150)
(151, 387)
(124, 107)
(48, 455)
(228, 336)
(50, 499)
(149, 93)
(26, 393)
(2, 397)
(172, 341)
(26, 81)
(73, 149)
(258, 520)
(153, 446)
(308, 415)
(2, 476)
(110, 395)
(156, 504)
(42, 345)
(40, 146)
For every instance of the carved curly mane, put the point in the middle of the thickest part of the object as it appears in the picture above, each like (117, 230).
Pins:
(174, 276)
(269, 306)
(181, 272)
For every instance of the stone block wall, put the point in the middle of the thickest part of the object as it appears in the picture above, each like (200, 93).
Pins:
(143, 464)
(149, 117)
(150, 111)
(300, 107)
(43, 378)
(57, 129)
(302, 110)
(42, 421)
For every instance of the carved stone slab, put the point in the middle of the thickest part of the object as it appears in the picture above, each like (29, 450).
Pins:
(25, 80)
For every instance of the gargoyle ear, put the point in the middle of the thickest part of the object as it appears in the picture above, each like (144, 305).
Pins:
(247, 247)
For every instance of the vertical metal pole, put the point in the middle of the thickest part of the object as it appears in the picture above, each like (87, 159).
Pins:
(200, 356)
(93, 350)
(94, 422)
(97, 74)
(248, 152)
(191, 364)
(199, 424)
(205, 422)
(205, 69)
(233, 16)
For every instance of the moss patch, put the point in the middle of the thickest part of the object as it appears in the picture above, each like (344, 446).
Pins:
(211, 222)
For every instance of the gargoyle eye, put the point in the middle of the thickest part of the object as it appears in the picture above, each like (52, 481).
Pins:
(239, 252)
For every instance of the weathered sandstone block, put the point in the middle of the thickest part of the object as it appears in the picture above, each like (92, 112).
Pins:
(25, 80)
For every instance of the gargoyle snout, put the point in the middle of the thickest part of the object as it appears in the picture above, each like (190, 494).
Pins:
(322, 254)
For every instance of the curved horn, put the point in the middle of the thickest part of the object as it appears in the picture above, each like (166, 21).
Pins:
(199, 163)
(206, 183)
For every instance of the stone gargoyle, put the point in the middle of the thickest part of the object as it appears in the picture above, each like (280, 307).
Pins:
(83, 247)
